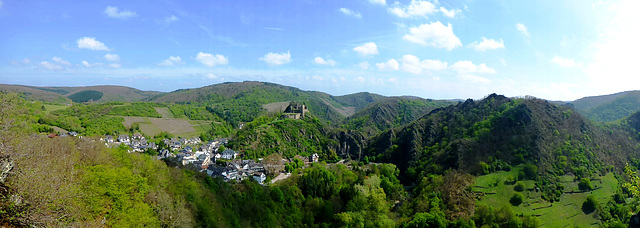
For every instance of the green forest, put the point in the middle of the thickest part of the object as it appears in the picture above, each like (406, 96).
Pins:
(396, 162)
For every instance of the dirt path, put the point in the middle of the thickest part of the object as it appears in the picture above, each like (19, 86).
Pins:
(280, 177)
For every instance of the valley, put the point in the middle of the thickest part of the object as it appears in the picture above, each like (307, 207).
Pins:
(383, 161)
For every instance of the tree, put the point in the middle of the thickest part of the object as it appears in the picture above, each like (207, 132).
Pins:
(585, 185)
(590, 204)
(273, 164)
(519, 187)
(516, 199)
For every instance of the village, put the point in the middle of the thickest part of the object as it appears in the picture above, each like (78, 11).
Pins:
(214, 157)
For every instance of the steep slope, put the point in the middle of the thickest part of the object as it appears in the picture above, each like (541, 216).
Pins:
(499, 130)
(608, 108)
(391, 112)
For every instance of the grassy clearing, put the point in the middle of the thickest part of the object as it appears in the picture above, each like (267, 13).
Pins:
(50, 108)
(566, 212)
(164, 111)
(178, 127)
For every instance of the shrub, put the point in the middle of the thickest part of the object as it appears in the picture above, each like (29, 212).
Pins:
(590, 204)
(585, 185)
(516, 199)
(519, 187)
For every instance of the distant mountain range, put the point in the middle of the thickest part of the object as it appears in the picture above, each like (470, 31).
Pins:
(604, 108)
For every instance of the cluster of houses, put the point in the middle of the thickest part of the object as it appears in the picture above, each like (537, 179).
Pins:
(202, 156)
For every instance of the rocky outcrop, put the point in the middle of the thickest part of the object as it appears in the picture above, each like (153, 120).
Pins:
(6, 165)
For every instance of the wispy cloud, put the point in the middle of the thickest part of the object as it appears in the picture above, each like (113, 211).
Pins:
(274, 59)
(321, 61)
(91, 43)
(211, 60)
(487, 44)
(349, 12)
(434, 34)
(171, 61)
(523, 29)
(113, 12)
(367, 49)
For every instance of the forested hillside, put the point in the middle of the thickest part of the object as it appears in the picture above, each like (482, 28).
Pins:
(396, 162)
(609, 108)
(390, 112)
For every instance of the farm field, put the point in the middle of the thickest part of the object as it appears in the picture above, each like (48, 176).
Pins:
(565, 213)
(179, 127)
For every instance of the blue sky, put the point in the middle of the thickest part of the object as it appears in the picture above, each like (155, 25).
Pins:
(560, 50)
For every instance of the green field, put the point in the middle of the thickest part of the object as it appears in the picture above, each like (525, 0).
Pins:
(49, 108)
(565, 213)
(181, 127)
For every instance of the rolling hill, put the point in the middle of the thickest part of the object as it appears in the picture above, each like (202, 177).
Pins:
(500, 130)
(80, 94)
(608, 108)
(391, 112)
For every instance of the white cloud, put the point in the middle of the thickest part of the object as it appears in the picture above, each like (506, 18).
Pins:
(487, 44)
(321, 61)
(87, 64)
(211, 76)
(91, 43)
(415, 8)
(115, 65)
(434, 34)
(450, 13)
(211, 60)
(171, 61)
(467, 67)
(50, 66)
(367, 49)
(61, 61)
(112, 57)
(1, 4)
(412, 64)
(565, 62)
(364, 65)
(349, 12)
(113, 12)
(170, 19)
(522, 29)
(26, 61)
(274, 59)
(380, 2)
(392, 64)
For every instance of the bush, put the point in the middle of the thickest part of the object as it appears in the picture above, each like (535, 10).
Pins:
(519, 187)
(585, 185)
(516, 199)
(590, 204)
(530, 171)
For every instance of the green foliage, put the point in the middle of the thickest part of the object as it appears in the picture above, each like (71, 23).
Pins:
(519, 187)
(516, 199)
(585, 185)
(145, 109)
(268, 134)
(85, 96)
(590, 204)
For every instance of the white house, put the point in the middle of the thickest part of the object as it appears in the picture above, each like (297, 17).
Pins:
(229, 154)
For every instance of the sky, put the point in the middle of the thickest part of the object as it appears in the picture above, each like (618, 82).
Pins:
(445, 49)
